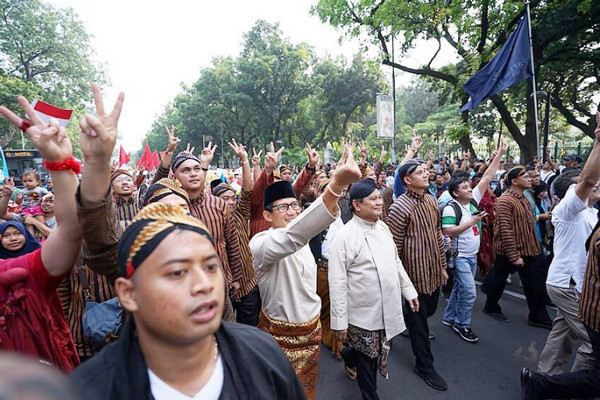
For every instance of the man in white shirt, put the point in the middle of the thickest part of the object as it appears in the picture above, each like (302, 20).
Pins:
(465, 237)
(366, 287)
(573, 219)
(287, 271)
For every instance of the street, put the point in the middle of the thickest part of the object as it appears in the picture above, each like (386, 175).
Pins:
(486, 370)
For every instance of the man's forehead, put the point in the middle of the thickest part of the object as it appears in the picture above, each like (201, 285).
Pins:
(189, 163)
(285, 200)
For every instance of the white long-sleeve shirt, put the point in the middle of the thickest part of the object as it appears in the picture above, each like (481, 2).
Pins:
(366, 278)
(286, 269)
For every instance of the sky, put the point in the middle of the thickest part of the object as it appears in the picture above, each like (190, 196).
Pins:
(149, 48)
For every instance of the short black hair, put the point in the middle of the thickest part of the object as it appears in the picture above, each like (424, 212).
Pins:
(564, 181)
(455, 182)
(460, 174)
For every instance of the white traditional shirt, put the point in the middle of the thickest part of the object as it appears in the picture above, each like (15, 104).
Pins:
(286, 269)
(573, 222)
(366, 279)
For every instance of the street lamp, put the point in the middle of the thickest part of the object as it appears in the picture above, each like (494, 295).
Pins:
(544, 96)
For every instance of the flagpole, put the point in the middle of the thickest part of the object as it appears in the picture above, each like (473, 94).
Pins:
(535, 105)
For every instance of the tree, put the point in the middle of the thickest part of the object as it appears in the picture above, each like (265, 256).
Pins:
(476, 30)
(276, 91)
(44, 53)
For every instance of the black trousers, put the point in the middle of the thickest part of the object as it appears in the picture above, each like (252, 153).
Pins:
(366, 371)
(247, 309)
(580, 384)
(533, 276)
(418, 329)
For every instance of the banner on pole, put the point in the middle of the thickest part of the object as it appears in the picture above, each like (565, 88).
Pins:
(385, 116)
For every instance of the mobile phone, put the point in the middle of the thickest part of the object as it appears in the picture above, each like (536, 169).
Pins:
(476, 213)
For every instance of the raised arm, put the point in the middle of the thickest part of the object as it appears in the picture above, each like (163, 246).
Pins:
(255, 164)
(62, 247)
(417, 143)
(240, 151)
(6, 192)
(308, 171)
(97, 212)
(591, 172)
(487, 177)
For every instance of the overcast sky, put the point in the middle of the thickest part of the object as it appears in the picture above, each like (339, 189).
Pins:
(151, 47)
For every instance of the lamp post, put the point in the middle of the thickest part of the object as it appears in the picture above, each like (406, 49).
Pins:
(544, 96)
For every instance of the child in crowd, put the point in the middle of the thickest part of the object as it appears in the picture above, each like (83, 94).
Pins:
(32, 197)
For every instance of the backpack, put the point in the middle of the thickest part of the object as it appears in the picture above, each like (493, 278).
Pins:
(452, 251)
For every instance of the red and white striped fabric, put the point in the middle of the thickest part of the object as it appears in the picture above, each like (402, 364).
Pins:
(46, 111)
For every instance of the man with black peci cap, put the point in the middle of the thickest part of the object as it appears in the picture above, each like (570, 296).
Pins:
(517, 250)
(287, 271)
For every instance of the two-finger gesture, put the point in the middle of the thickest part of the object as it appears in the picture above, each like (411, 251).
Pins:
(207, 154)
(383, 153)
(50, 139)
(272, 157)
(347, 170)
(172, 140)
(417, 142)
(256, 157)
(99, 133)
(313, 156)
(239, 150)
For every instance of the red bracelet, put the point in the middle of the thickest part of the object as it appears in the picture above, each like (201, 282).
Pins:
(70, 163)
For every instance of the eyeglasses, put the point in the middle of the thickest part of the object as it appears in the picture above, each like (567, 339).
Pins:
(283, 208)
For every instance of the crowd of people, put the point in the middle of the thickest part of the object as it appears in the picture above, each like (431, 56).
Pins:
(175, 284)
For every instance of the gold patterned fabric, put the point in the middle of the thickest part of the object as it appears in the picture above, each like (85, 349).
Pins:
(300, 343)
(149, 227)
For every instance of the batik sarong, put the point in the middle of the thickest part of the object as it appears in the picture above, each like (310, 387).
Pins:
(300, 343)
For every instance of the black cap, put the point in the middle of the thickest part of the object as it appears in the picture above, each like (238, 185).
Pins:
(278, 190)
(361, 189)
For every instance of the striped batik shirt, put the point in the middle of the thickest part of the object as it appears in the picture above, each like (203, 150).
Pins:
(589, 303)
(70, 293)
(414, 220)
(241, 216)
(214, 212)
(126, 211)
(514, 227)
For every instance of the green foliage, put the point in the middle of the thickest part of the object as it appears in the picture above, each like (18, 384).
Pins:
(45, 53)
(278, 91)
(565, 39)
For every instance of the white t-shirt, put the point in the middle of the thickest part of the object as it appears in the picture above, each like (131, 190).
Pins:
(573, 222)
(211, 391)
(468, 241)
(545, 176)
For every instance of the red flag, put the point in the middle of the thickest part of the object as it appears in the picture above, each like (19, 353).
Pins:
(146, 159)
(123, 156)
(155, 160)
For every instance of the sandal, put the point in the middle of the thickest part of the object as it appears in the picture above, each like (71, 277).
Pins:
(350, 372)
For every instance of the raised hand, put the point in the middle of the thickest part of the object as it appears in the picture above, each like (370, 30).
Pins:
(7, 189)
(383, 153)
(346, 172)
(239, 150)
(172, 140)
(99, 133)
(207, 154)
(313, 156)
(256, 157)
(272, 157)
(49, 139)
(417, 142)
(364, 153)
(430, 155)
(597, 130)
(191, 149)
(503, 148)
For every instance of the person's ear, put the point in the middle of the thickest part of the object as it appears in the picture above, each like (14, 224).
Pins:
(267, 216)
(126, 292)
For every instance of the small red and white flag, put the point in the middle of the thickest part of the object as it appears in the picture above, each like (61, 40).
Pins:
(46, 111)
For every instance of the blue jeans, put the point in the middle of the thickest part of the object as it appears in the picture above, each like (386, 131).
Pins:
(463, 293)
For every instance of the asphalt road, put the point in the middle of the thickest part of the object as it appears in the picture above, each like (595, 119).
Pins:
(486, 370)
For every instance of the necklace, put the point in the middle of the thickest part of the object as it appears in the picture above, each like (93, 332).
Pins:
(216, 348)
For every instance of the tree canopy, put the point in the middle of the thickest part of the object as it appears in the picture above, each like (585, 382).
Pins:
(565, 42)
(45, 52)
(274, 90)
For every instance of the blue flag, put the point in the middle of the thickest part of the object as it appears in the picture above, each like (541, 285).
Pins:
(510, 66)
(4, 166)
